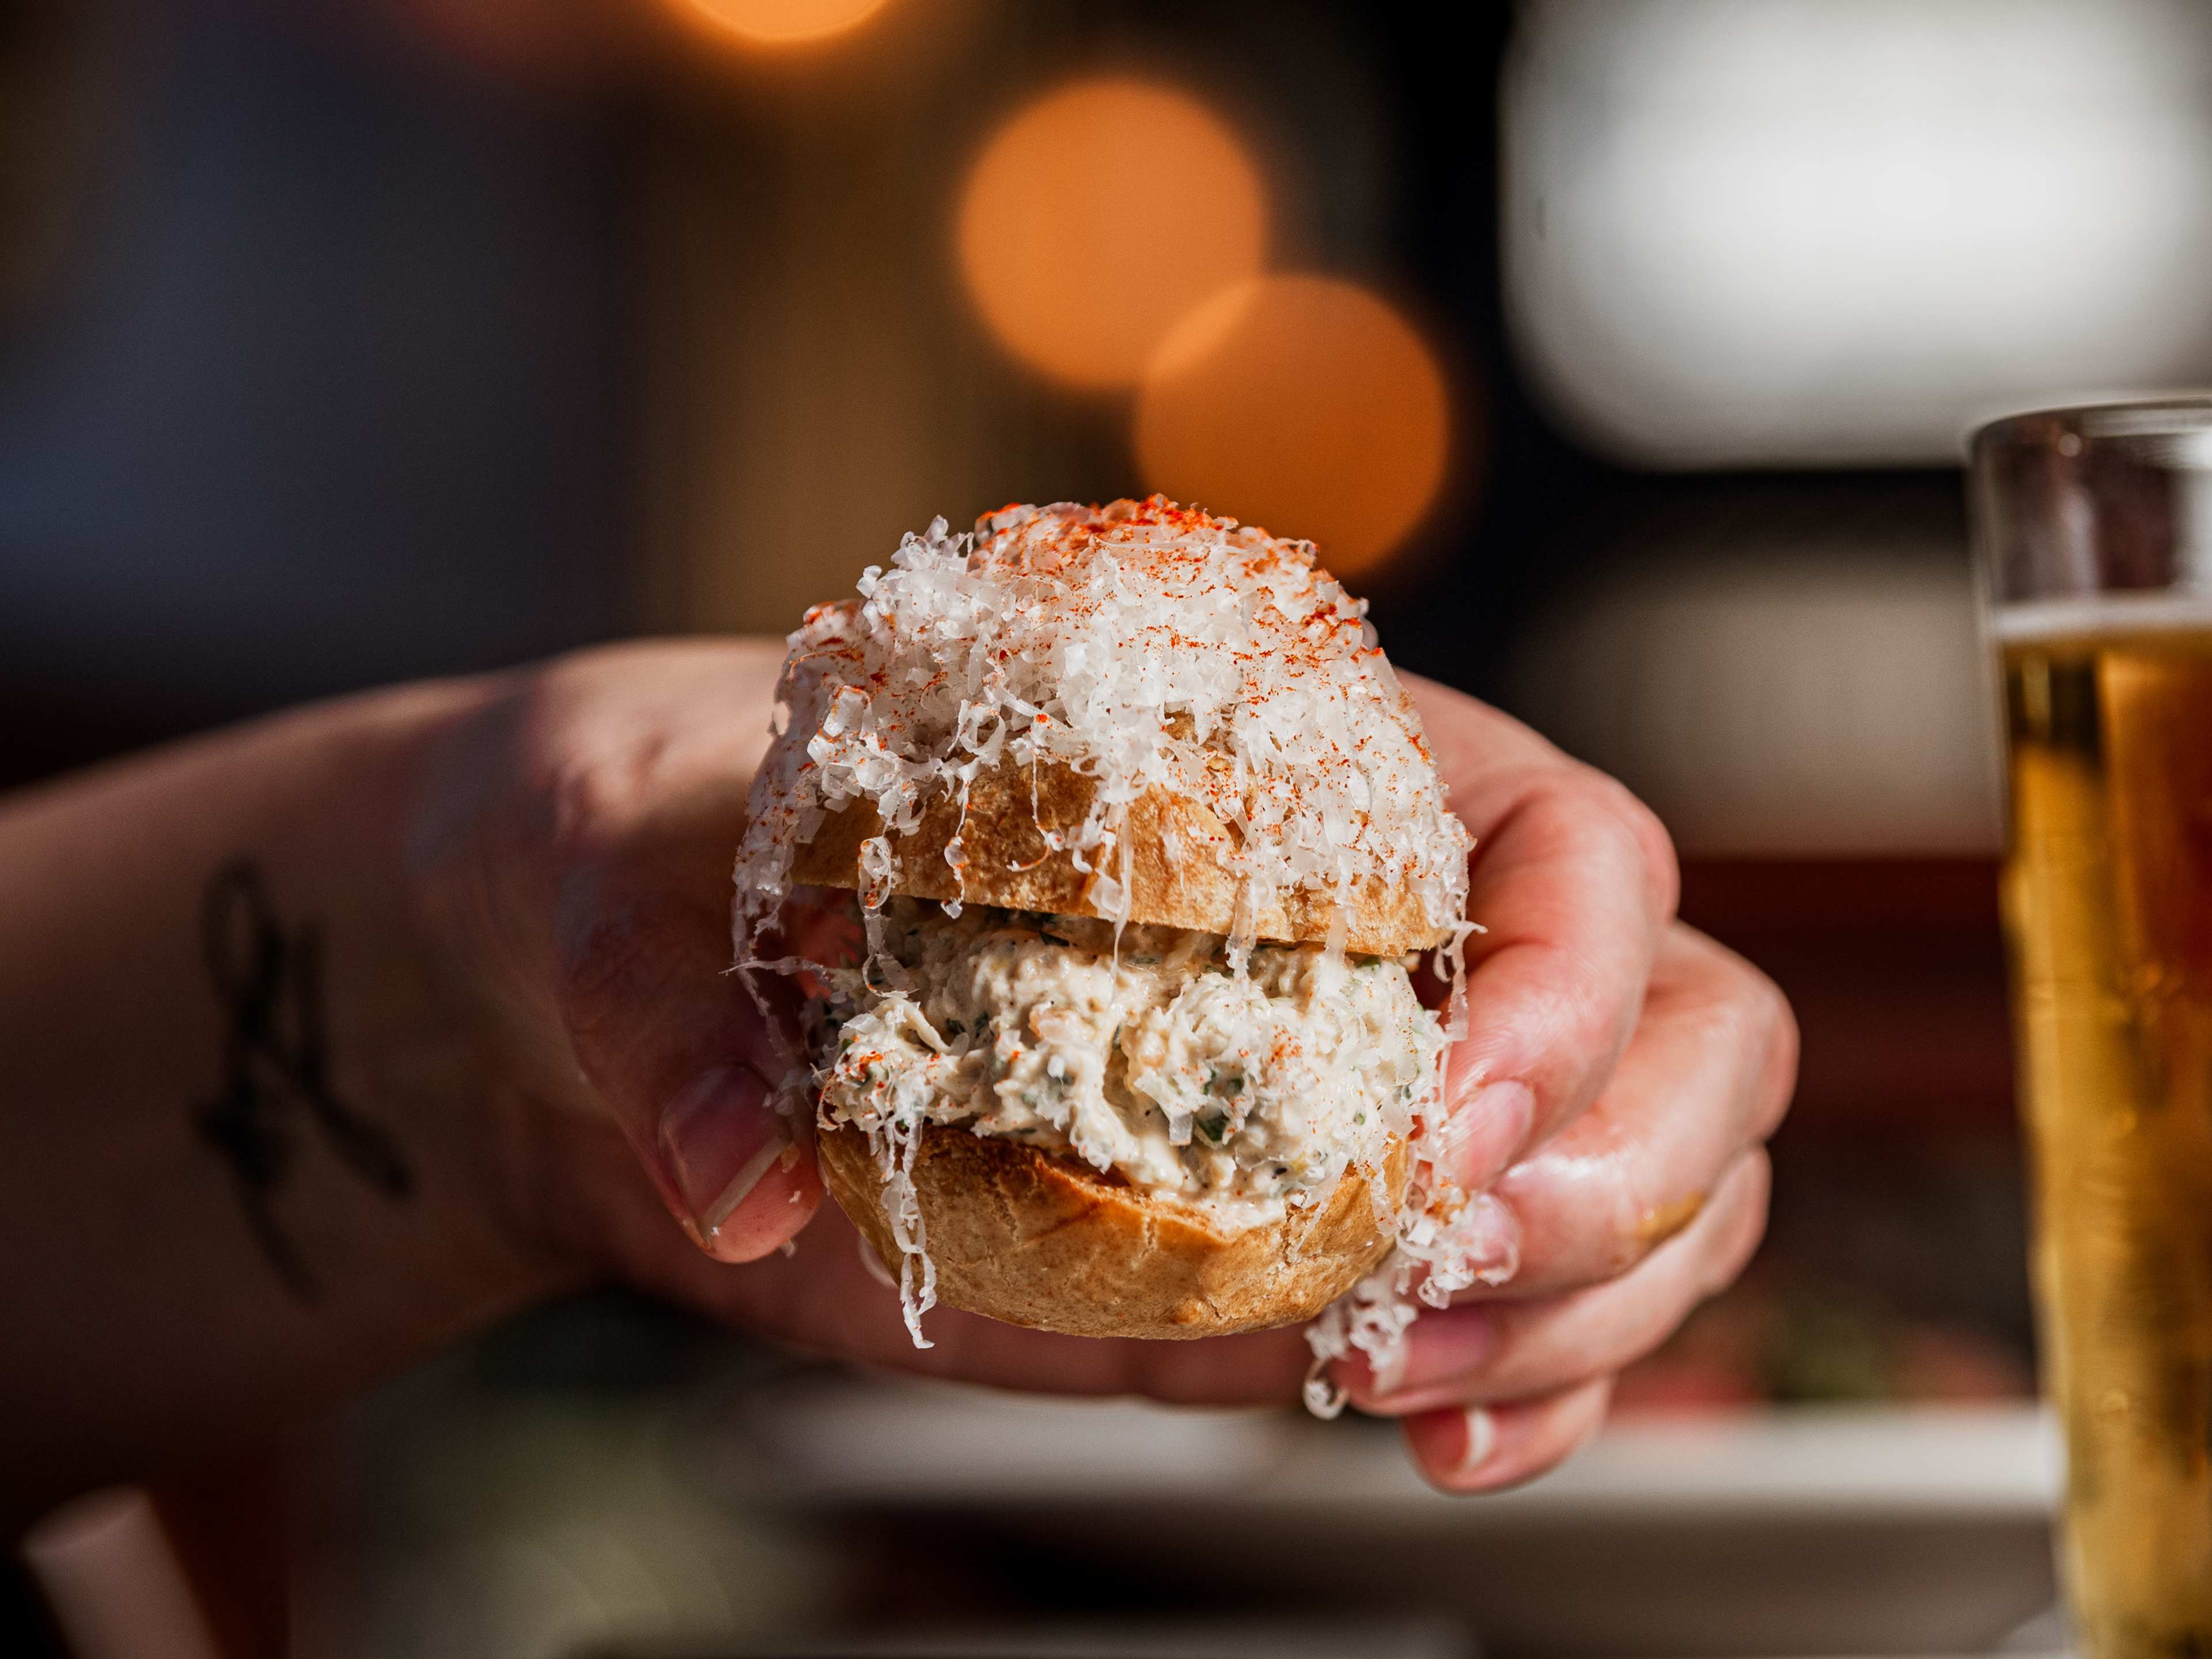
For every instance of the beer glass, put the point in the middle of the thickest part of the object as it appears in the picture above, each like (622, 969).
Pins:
(2092, 531)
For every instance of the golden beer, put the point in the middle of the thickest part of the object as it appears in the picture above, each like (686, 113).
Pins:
(2107, 893)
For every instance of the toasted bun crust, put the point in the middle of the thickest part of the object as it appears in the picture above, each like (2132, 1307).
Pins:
(1138, 713)
(1047, 1241)
(1181, 871)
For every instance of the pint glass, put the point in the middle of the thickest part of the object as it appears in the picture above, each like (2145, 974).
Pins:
(2092, 531)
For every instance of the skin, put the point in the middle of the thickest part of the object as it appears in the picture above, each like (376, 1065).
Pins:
(522, 884)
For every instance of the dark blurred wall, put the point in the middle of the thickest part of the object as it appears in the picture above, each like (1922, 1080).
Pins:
(327, 384)
(339, 373)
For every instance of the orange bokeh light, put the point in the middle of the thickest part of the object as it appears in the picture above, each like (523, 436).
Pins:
(1303, 404)
(1098, 217)
(786, 22)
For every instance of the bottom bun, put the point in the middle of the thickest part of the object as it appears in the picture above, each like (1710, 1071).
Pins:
(1046, 1242)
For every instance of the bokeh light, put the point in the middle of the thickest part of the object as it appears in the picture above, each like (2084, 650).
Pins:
(1303, 404)
(1098, 217)
(786, 22)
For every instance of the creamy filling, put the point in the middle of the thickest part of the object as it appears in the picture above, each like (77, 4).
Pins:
(1145, 1054)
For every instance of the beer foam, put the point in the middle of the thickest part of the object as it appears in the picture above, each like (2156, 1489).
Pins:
(2086, 617)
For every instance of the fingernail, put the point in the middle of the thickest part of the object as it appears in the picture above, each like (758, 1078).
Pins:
(719, 1137)
(1441, 1347)
(1490, 1233)
(1481, 1441)
(1483, 1133)
(1387, 1371)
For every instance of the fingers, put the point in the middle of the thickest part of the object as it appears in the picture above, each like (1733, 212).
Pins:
(571, 852)
(686, 1060)
(1484, 1352)
(1707, 1076)
(1574, 882)
(1482, 1448)
(683, 1056)
(1572, 908)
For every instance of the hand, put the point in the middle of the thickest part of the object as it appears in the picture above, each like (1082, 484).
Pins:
(574, 849)
(1619, 1078)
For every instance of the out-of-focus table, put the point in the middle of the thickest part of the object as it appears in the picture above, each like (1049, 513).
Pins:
(1794, 1531)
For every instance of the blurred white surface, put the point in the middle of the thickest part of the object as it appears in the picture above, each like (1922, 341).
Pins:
(1801, 1531)
(870, 1441)
(866, 1440)
(704, 1522)
(1839, 232)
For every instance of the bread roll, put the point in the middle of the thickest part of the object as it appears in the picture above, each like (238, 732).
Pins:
(1047, 1241)
(1147, 716)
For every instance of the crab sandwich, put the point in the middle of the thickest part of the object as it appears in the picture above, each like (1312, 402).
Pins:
(1142, 841)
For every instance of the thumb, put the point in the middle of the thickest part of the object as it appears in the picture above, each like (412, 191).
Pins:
(685, 1058)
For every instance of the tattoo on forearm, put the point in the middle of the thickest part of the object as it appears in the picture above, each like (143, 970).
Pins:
(276, 1064)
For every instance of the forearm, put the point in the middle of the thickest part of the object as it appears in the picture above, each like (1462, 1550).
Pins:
(250, 1145)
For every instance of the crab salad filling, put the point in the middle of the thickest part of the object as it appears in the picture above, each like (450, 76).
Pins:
(1151, 1055)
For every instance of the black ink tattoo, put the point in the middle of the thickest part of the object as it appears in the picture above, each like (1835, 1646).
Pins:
(275, 1064)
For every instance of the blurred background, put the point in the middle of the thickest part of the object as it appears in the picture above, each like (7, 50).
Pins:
(1618, 350)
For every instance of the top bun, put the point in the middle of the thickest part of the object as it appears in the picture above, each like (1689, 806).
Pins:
(1138, 712)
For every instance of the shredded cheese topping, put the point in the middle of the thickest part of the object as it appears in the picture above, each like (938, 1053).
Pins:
(1127, 642)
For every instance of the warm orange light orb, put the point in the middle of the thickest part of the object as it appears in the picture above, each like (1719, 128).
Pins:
(786, 22)
(1304, 404)
(1098, 217)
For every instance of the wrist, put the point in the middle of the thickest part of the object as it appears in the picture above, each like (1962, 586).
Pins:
(247, 1118)
(433, 1232)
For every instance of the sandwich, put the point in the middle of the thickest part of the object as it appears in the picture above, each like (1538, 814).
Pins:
(1139, 850)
